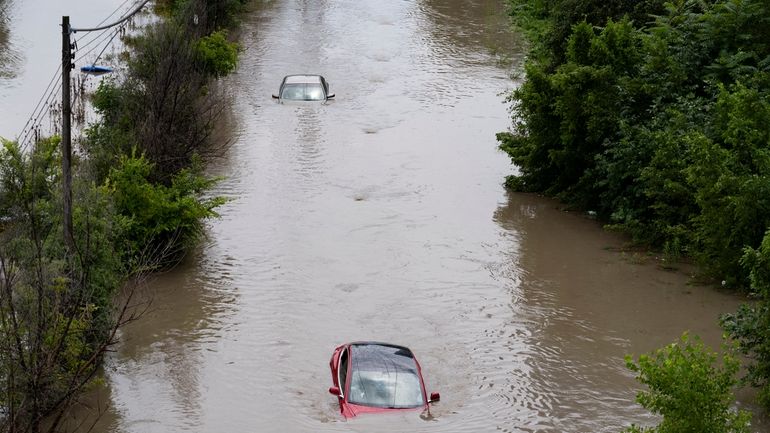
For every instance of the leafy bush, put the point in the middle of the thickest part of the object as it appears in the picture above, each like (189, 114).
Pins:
(164, 106)
(216, 54)
(113, 135)
(660, 124)
(208, 15)
(691, 387)
(663, 131)
(750, 325)
(158, 222)
(56, 309)
(731, 176)
(567, 116)
(549, 23)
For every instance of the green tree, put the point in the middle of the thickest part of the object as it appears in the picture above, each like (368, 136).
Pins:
(57, 316)
(662, 130)
(217, 55)
(731, 176)
(659, 122)
(567, 117)
(691, 388)
(157, 223)
(750, 325)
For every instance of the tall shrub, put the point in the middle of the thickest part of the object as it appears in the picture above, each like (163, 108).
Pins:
(750, 325)
(157, 223)
(691, 388)
(57, 316)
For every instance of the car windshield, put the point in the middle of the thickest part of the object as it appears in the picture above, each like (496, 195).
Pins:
(303, 92)
(384, 376)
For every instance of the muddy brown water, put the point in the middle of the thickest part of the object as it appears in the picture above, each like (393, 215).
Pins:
(381, 216)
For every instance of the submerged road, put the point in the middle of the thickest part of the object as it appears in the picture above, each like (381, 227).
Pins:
(381, 216)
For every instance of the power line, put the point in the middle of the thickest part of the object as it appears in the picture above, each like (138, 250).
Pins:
(98, 56)
(124, 18)
(44, 104)
(117, 31)
(96, 37)
(109, 41)
(46, 96)
(66, 141)
(38, 114)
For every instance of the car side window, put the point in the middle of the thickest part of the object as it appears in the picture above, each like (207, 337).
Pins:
(343, 371)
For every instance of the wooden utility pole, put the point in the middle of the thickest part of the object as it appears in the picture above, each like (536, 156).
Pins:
(67, 56)
(66, 133)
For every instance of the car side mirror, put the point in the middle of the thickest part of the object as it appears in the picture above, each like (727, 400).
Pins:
(275, 96)
(334, 391)
(330, 96)
(434, 397)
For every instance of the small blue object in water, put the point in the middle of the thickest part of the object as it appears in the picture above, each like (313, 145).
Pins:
(95, 70)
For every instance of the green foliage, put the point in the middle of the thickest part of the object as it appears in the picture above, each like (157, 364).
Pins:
(731, 176)
(223, 13)
(691, 388)
(530, 143)
(170, 8)
(662, 130)
(27, 179)
(114, 134)
(56, 310)
(163, 106)
(659, 122)
(567, 116)
(211, 14)
(217, 55)
(158, 222)
(549, 23)
(101, 270)
(750, 325)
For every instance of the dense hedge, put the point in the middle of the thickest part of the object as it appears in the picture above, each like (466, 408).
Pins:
(661, 127)
(656, 116)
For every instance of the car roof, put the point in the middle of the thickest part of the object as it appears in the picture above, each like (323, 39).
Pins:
(299, 79)
(382, 356)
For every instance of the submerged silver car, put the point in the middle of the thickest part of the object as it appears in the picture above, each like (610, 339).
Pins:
(304, 88)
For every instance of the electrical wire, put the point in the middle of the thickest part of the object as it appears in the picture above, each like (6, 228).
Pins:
(109, 42)
(114, 33)
(103, 34)
(56, 74)
(44, 104)
(98, 56)
(120, 21)
(39, 113)
(32, 134)
(100, 36)
(44, 97)
(96, 37)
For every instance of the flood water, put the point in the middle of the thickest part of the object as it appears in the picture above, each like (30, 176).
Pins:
(31, 55)
(381, 216)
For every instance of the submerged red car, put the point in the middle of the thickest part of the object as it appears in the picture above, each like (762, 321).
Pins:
(371, 377)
